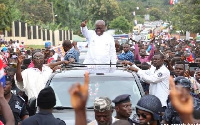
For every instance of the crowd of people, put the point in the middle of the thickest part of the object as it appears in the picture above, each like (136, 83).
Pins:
(168, 71)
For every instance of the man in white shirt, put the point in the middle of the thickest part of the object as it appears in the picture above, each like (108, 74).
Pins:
(33, 80)
(101, 45)
(158, 78)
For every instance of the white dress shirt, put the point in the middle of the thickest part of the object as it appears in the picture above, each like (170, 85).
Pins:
(159, 82)
(34, 80)
(101, 49)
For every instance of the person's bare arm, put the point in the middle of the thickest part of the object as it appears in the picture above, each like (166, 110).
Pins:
(183, 107)
(6, 111)
(18, 73)
(52, 65)
(79, 96)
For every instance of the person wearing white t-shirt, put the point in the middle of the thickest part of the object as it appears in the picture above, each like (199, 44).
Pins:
(158, 78)
(33, 80)
(101, 45)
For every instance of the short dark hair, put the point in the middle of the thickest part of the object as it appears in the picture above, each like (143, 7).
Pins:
(160, 54)
(179, 63)
(35, 51)
(67, 43)
(28, 52)
(52, 51)
(137, 62)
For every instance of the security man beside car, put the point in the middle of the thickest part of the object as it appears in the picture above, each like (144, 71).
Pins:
(46, 101)
(123, 107)
(16, 103)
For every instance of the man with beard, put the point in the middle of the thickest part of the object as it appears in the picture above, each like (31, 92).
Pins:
(101, 45)
(33, 80)
(103, 112)
(123, 107)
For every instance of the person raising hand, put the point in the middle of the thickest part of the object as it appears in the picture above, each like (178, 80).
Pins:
(79, 96)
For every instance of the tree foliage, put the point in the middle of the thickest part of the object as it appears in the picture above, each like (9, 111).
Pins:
(185, 16)
(70, 13)
(103, 9)
(155, 14)
(120, 24)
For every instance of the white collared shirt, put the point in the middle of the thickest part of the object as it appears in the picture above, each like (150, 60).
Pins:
(159, 82)
(34, 80)
(101, 49)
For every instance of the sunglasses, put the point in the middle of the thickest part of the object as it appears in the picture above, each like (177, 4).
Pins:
(143, 115)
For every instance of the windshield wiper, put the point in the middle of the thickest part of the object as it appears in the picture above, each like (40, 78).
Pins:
(62, 107)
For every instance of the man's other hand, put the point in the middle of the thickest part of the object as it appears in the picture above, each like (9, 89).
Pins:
(83, 24)
(79, 94)
(183, 106)
(20, 59)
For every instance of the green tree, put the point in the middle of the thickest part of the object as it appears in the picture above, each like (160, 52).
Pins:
(5, 17)
(155, 14)
(185, 16)
(120, 24)
(103, 9)
(35, 12)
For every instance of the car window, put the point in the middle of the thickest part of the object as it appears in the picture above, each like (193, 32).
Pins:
(99, 86)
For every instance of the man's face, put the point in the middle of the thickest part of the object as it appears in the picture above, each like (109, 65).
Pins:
(144, 117)
(51, 54)
(124, 109)
(169, 53)
(157, 61)
(7, 88)
(65, 48)
(126, 48)
(179, 69)
(197, 76)
(104, 118)
(117, 47)
(142, 52)
(99, 29)
(11, 74)
(173, 54)
(38, 59)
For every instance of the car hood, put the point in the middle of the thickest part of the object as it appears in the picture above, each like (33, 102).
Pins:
(68, 115)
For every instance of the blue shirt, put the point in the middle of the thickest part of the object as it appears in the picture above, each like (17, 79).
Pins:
(72, 53)
(126, 56)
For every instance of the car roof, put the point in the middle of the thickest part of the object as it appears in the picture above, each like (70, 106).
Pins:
(79, 72)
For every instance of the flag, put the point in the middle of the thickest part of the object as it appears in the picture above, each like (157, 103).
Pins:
(171, 2)
(2, 77)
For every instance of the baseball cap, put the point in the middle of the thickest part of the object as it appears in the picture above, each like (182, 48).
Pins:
(102, 104)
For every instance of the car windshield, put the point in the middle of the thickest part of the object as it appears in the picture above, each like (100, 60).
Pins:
(98, 87)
